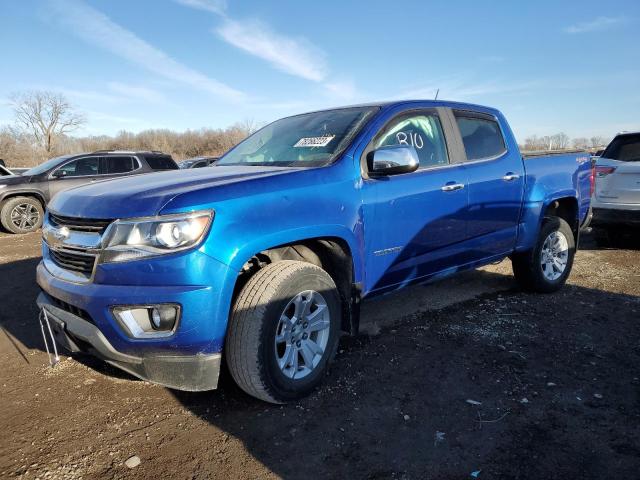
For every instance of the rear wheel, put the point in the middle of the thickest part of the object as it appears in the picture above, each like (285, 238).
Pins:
(283, 331)
(22, 214)
(547, 266)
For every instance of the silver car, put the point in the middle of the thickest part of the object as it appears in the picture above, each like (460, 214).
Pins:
(616, 202)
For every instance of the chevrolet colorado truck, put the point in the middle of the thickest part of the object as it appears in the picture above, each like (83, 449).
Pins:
(262, 261)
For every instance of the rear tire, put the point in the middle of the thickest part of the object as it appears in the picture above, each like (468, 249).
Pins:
(22, 215)
(544, 268)
(273, 332)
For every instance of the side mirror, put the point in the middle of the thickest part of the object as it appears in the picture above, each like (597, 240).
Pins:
(59, 174)
(393, 160)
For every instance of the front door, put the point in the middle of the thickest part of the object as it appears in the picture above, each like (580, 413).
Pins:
(414, 222)
(73, 174)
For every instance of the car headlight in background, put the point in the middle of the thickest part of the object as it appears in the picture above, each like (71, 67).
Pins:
(146, 237)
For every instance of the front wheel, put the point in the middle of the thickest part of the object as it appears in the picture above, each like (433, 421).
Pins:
(22, 214)
(283, 331)
(547, 266)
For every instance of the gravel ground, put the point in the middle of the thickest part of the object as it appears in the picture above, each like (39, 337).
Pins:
(469, 377)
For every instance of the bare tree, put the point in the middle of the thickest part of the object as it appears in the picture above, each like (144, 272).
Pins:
(581, 143)
(560, 141)
(47, 115)
(598, 141)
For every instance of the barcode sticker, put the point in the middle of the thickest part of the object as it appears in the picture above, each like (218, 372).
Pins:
(314, 141)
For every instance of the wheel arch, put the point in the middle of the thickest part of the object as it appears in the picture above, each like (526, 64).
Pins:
(567, 209)
(25, 193)
(334, 254)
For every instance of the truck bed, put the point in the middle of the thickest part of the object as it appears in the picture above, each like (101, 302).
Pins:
(548, 153)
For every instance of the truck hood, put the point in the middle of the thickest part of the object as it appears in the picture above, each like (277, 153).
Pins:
(145, 195)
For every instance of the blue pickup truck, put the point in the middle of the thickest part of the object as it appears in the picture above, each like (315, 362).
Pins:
(262, 261)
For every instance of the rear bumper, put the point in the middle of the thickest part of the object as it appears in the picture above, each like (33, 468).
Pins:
(615, 216)
(183, 372)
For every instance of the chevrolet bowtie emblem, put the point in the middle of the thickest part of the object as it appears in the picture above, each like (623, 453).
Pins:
(61, 233)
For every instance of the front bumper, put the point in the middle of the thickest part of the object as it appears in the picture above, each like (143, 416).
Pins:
(183, 372)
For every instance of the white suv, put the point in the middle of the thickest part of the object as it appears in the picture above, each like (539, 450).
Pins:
(616, 203)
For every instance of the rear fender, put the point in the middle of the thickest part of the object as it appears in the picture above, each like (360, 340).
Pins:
(534, 212)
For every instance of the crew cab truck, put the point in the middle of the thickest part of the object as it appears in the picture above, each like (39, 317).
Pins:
(262, 260)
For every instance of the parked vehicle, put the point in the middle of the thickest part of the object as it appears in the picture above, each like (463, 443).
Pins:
(198, 162)
(616, 204)
(4, 171)
(265, 258)
(23, 198)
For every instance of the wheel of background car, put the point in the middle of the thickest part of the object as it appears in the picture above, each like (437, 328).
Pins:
(283, 331)
(21, 214)
(546, 268)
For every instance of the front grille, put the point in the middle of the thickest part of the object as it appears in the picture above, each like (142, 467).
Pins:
(79, 224)
(76, 260)
(67, 307)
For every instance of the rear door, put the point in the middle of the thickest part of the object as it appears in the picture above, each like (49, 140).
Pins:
(118, 165)
(496, 182)
(618, 171)
(414, 222)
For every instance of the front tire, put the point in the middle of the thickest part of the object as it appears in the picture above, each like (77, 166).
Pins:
(22, 215)
(283, 331)
(547, 266)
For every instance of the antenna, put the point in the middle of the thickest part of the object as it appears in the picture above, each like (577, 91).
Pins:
(437, 92)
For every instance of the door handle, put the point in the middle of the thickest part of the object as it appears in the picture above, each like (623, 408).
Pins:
(510, 176)
(450, 187)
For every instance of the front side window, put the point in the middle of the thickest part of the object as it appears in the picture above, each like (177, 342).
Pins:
(309, 140)
(482, 137)
(114, 165)
(82, 167)
(420, 130)
(625, 148)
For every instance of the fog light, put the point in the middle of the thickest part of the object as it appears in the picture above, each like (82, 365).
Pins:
(156, 320)
(148, 321)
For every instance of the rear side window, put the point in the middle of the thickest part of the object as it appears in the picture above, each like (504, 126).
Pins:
(625, 148)
(113, 165)
(481, 136)
(161, 162)
(420, 130)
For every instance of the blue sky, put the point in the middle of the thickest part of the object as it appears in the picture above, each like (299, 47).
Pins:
(184, 64)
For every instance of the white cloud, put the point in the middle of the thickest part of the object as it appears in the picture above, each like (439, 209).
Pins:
(136, 92)
(600, 23)
(341, 89)
(466, 87)
(213, 6)
(96, 28)
(294, 56)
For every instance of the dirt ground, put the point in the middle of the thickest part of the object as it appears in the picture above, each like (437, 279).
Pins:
(469, 378)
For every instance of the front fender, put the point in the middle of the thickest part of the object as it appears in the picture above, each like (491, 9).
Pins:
(238, 256)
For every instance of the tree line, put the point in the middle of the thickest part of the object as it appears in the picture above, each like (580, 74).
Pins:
(561, 141)
(45, 120)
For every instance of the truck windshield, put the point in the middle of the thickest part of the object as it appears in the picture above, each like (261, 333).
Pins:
(308, 140)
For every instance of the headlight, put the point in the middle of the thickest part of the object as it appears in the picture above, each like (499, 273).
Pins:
(145, 237)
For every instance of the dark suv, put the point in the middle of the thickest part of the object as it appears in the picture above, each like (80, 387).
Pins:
(23, 198)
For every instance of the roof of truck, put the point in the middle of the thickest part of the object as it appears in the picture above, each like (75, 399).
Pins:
(434, 103)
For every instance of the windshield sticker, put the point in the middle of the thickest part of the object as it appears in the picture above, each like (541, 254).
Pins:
(308, 142)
